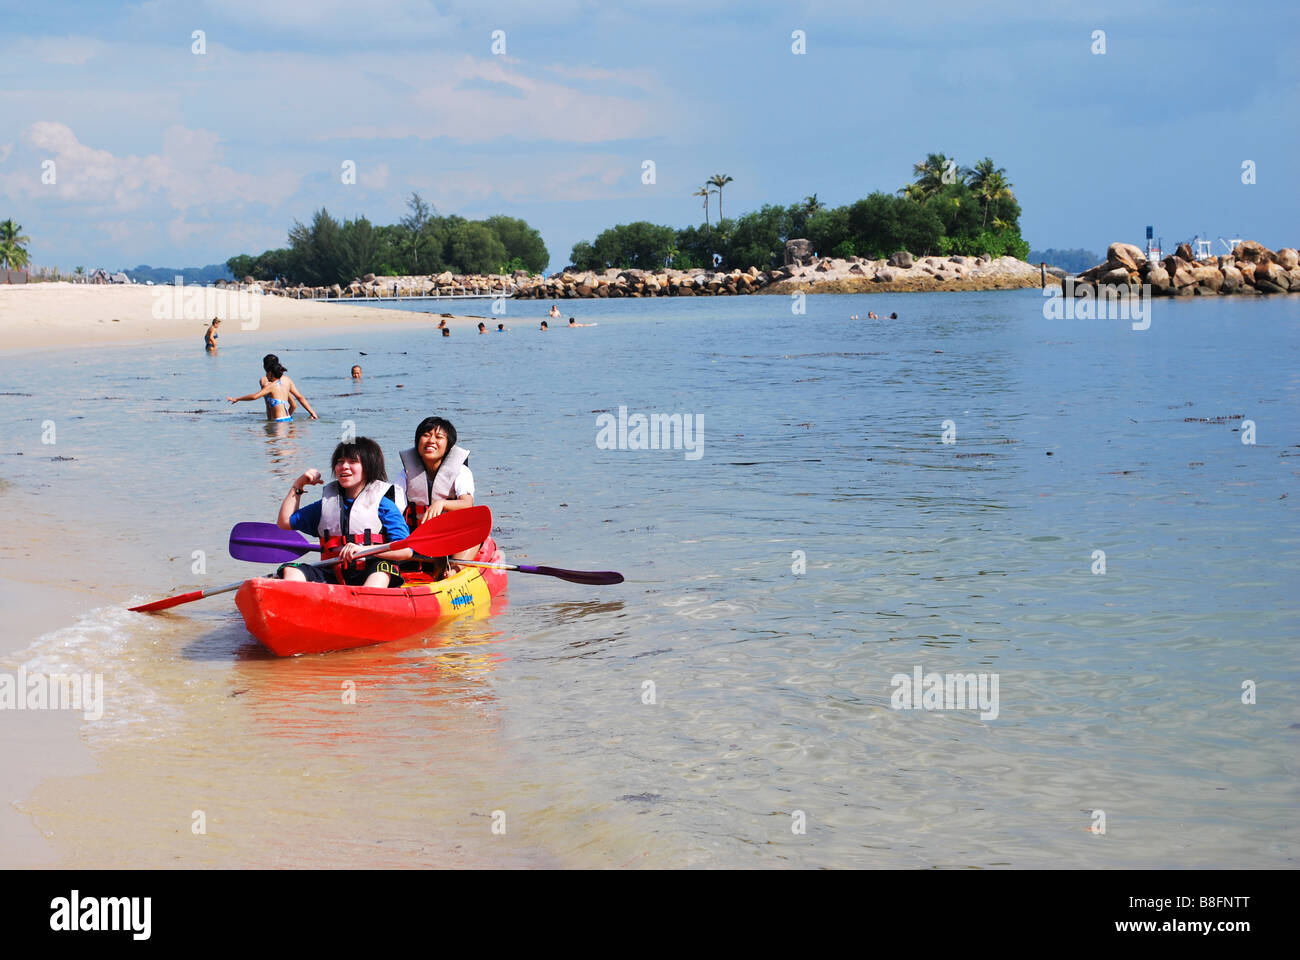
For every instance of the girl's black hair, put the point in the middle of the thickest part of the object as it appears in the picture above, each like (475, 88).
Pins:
(271, 364)
(435, 423)
(368, 452)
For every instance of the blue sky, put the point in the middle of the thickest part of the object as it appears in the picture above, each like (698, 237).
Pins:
(166, 157)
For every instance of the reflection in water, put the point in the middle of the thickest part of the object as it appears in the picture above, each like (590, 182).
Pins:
(282, 444)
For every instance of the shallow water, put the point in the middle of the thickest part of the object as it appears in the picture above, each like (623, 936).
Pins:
(1118, 692)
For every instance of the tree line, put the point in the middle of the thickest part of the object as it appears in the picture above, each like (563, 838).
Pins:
(946, 210)
(329, 251)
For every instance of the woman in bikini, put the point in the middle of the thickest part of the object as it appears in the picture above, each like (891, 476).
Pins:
(279, 391)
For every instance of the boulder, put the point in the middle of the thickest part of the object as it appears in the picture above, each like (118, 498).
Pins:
(1271, 278)
(901, 259)
(444, 279)
(1185, 251)
(1125, 255)
(1293, 277)
(798, 251)
(1253, 252)
(1287, 258)
(1118, 275)
(985, 258)
(1232, 279)
(1208, 276)
(1158, 277)
(885, 275)
(858, 270)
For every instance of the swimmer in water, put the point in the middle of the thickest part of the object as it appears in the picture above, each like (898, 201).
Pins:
(210, 336)
(482, 327)
(555, 311)
(544, 327)
(501, 328)
(279, 391)
(356, 371)
(446, 331)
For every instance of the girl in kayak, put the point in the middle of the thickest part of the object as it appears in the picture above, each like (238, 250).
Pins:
(359, 508)
(436, 477)
(279, 391)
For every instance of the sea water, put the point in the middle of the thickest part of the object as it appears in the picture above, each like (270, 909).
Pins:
(1063, 513)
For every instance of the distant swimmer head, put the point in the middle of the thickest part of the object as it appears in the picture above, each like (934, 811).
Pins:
(446, 331)
(356, 371)
(572, 322)
(482, 327)
(271, 364)
(544, 327)
(501, 328)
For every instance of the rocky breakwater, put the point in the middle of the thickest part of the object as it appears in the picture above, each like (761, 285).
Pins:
(1251, 269)
(616, 283)
(900, 273)
(371, 286)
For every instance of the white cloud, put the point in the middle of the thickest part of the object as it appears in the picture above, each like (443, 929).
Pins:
(187, 173)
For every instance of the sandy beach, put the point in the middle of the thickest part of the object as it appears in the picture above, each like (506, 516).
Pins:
(44, 316)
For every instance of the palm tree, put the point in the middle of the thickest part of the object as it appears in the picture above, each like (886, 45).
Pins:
(913, 191)
(930, 175)
(719, 180)
(811, 205)
(13, 253)
(705, 192)
(989, 183)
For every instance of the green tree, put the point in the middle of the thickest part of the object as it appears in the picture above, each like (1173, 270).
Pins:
(640, 245)
(757, 239)
(705, 192)
(13, 245)
(720, 180)
(240, 266)
(358, 245)
(522, 242)
(931, 174)
(316, 252)
(989, 183)
(583, 256)
(473, 247)
(827, 229)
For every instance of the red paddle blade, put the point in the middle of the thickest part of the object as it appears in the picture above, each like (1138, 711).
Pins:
(169, 602)
(267, 543)
(450, 532)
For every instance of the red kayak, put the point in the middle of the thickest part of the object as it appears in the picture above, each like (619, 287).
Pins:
(291, 618)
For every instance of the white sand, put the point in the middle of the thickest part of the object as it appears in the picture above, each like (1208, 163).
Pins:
(42, 316)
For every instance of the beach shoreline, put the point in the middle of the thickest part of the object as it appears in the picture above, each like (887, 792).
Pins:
(59, 316)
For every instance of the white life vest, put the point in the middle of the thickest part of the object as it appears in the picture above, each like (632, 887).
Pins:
(418, 481)
(363, 523)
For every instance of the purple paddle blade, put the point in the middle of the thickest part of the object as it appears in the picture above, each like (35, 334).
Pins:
(267, 543)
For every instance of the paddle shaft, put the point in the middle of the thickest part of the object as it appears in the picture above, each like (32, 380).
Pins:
(595, 577)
